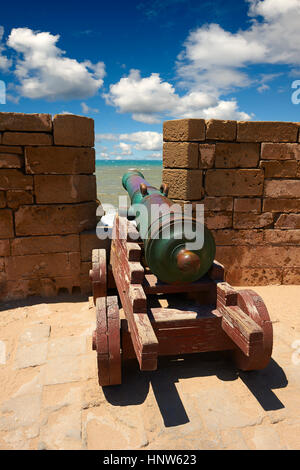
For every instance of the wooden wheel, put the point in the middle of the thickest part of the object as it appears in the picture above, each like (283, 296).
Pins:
(106, 340)
(253, 305)
(98, 274)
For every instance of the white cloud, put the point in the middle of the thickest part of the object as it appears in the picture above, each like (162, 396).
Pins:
(44, 72)
(146, 140)
(100, 137)
(5, 63)
(87, 109)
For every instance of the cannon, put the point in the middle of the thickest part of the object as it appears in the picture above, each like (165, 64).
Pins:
(156, 297)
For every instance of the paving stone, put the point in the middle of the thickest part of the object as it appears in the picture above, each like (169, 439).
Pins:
(30, 356)
(2, 353)
(62, 369)
(35, 334)
(62, 431)
(56, 397)
(67, 346)
(24, 410)
(266, 438)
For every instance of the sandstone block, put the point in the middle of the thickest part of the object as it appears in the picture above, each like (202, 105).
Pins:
(244, 220)
(26, 138)
(42, 266)
(282, 237)
(180, 155)
(10, 160)
(280, 151)
(39, 245)
(260, 131)
(247, 204)
(279, 169)
(55, 219)
(51, 189)
(259, 256)
(288, 221)
(25, 122)
(181, 130)
(2, 199)
(218, 203)
(4, 248)
(184, 184)
(59, 160)
(282, 189)
(291, 276)
(18, 197)
(234, 182)
(6, 224)
(89, 241)
(11, 149)
(206, 155)
(218, 220)
(220, 130)
(30, 356)
(238, 237)
(281, 205)
(237, 155)
(75, 131)
(254, 276)
(15, 179)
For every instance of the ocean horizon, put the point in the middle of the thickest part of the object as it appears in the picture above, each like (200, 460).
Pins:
(109, 175)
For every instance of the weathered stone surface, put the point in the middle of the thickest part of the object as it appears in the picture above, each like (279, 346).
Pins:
(247, 204)
(184, 184)
(89, 241)
(15, 179)
(279, 169)
(10, 160)
(24, 410)
(6, 224)
(31, 356)
(55, 219)
(237, 155)
(184, 130)
(2, 353)
(10, 149)
(282, 237)
(217, 220)
(59, 189)
(259, 257)
(75, 131)
(281, 205)
(18, 197)
(180, 155)
(291, 276)
(234, 182)
(220, 130)
(35, 334)
(67, 346)
(260, 131)
(251, 220)
(42, 266)
(25, 122)
(218, 203)
(206, 155)
(282, 189)
(4, 247)
(26, 138)
(238, 237)
(291, 221)
(59, 160)
(61, 370)
(46, 244)
(2, 199)
(280, 151)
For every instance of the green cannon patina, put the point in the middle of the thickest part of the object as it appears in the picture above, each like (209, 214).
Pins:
(163, 235)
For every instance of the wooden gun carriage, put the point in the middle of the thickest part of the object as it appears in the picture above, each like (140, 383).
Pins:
(148, 318)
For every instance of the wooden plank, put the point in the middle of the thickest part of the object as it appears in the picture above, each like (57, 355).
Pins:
(133, 251)
(152, 285)
(243, 331)
(216, 272)
(102, 342)
(113, 332)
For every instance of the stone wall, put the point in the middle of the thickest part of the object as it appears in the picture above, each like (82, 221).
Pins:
(247, 174)
(47, 204)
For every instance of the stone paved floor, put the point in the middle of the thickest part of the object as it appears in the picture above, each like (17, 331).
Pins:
(50, 398)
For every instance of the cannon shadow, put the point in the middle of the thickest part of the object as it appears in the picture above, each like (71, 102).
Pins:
(136, 384)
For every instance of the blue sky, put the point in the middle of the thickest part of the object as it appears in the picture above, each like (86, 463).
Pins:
(132, 65)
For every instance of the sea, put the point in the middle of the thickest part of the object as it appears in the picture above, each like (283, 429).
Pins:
(109, 177)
